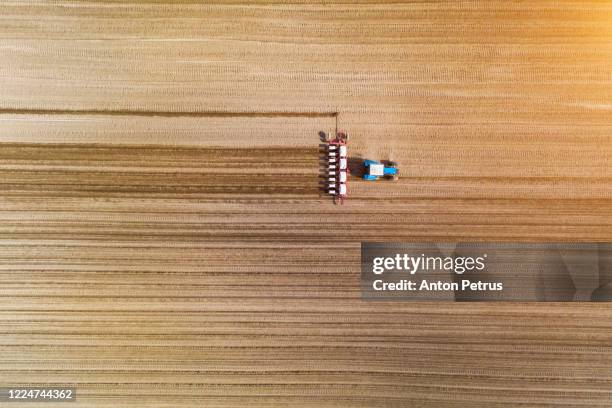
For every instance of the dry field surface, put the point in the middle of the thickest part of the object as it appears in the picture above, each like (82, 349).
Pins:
(164, 240)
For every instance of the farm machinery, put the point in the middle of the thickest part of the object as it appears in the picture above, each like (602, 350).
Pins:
(375, 170)
(338, 169)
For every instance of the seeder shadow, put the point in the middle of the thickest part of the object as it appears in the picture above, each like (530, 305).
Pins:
(323, 163)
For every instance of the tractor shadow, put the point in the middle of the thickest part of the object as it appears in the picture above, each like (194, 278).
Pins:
(355, 165)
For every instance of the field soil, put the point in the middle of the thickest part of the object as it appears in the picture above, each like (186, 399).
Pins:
(166, 240)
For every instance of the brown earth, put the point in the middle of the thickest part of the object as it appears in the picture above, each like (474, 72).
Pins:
(164, 236)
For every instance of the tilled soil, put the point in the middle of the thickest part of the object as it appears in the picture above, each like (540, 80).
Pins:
(165, 236)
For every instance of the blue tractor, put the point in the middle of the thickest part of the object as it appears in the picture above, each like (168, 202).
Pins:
(375, 170)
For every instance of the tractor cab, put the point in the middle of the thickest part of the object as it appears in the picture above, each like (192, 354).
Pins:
(375, 170)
